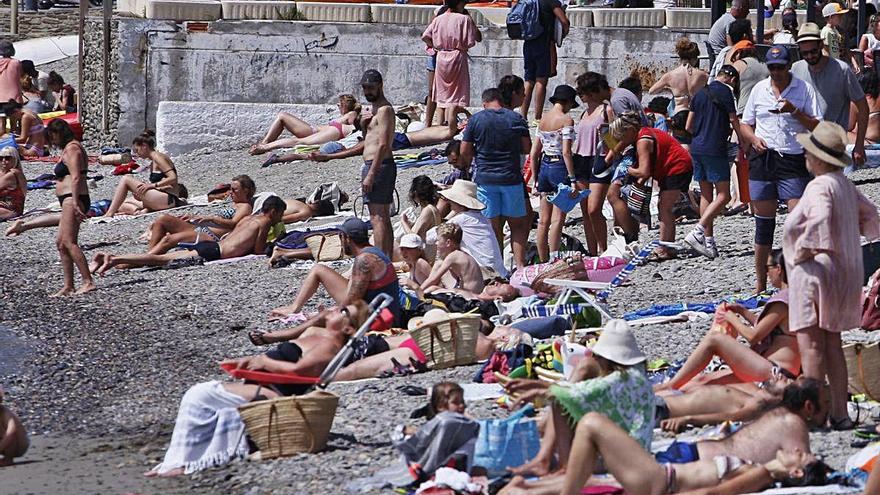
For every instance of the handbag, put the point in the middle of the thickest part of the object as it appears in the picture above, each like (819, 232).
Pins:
(505, 443)
(326, 247)
(449, 342)
(569, 268)
(863, 368)
(286, 426)
(639, 199)
(871, 307)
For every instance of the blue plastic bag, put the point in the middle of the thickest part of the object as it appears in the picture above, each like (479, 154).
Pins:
(505, 443)
(562, 198)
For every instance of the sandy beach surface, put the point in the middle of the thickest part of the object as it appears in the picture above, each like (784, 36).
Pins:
(97, 378)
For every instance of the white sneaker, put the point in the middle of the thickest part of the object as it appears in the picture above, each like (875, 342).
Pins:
(713, 250)
(697, 242)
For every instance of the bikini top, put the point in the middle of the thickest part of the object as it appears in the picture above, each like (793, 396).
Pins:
(61, 170)
(726, 464)
(157, 176)
(227, 213)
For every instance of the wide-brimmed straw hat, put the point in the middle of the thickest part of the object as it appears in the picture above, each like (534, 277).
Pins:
(618, 344)
(827, 142)
(464, 192)
(432, 317)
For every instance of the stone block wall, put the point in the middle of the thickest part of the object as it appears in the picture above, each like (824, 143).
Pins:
(54, 22)
(92, 91)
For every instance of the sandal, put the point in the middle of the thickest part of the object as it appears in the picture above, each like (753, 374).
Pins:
(842, 424)
(413, 391)
(270, 160)
(256, 338)
(660, 255)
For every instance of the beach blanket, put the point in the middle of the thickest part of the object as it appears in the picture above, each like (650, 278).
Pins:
(749, 302)
(208, 431)
(236, 260)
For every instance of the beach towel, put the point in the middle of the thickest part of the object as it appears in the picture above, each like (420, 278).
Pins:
(208, 431)
(435, 442)
(749, 302)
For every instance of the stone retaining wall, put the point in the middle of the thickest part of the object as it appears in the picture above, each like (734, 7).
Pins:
(40, 24)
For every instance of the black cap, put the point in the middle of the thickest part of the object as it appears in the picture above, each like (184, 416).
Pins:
(27, 66)
(370, 77)
(356, 229)
(729, 70)
(564, 94)
(7, 49)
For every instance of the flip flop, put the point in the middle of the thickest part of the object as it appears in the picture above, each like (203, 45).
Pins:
(256, 338)
(270, 160)
(413, 391)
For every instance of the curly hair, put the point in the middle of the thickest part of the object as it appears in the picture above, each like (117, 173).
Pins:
(350, 103)
(625, 122)
(423, 190)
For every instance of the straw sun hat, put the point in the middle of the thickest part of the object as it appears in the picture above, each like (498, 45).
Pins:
(618, 344)
(432, 317)
(464, 192)
(827, 142)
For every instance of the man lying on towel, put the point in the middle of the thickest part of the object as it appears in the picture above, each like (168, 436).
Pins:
(371, 274)
(248, 237)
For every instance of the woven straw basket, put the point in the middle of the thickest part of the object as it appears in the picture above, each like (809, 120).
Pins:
(863, 368)
(326, 247)
(451, 341)
(290, 425)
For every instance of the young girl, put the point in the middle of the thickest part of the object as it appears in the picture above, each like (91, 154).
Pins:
(450, 35)
(442, 438)
(163, 190)
(31, 134)
(553, 165)
(412, 250)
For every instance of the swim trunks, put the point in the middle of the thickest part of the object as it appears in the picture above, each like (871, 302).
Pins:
(678, 453)
(383, 185)
(401, 142)
(209, 250)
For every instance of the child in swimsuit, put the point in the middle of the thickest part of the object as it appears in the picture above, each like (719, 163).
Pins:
(12, 184)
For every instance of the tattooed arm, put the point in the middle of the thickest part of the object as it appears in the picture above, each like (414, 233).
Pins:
(361, 276)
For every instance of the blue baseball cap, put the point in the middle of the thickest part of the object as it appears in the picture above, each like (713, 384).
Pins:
(777, 55)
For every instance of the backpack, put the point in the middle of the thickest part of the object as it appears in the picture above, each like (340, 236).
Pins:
(523, 21)
(329, 191)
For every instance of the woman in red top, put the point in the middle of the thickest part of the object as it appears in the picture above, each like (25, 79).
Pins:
(662, 158)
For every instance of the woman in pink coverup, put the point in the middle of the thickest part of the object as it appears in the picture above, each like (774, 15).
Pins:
(450, 35)
(823, 258)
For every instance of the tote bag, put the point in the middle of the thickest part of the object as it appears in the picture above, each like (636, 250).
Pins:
(504, 443)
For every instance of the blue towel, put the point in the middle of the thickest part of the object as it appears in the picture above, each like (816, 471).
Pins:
(562, 199)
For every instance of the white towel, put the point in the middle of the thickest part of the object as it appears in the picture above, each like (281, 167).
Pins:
(208, 431)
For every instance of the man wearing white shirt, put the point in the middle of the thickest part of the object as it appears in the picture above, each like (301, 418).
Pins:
(478, 237)
(779, 108)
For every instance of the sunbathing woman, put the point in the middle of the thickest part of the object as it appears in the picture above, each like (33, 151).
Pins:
(168, 231)
(638, 472)
(32, 133)
(13, 184)
(772, 348)
(304, 133)
(208, 430)
(163, 191)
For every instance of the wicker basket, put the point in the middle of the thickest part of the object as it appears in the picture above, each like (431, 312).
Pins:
(326, 247)
(451, 341)
(290, 425)
(863, 368)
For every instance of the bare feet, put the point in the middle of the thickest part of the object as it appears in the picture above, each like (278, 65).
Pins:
(15, 229)
(517, 486)
(106, 265)
(97, 261)
(281, 312)
(65, 291)
(257, 149)
(168, 474)
(87, 287)
(535, 467)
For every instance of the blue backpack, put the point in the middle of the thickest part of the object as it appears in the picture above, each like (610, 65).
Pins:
(523, 21)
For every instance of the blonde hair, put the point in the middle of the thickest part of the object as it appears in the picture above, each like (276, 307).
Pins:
(450, 231)
(623, 123)
(350, 103)
(687, 49)
(11, 151)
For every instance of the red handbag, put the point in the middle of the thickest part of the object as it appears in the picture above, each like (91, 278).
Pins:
(871, 306)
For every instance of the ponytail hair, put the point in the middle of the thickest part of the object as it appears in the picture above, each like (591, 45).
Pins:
(350, 103)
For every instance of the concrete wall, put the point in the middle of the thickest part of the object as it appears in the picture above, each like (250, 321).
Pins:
(309, 62)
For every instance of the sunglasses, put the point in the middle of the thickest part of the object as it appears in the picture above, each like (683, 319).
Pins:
(5, 158)
(776, 67)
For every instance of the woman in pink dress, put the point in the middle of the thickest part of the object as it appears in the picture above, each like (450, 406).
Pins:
(823, 257)
(450, 35)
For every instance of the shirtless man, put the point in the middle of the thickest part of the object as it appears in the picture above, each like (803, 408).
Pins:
(371, 274)
(493, 291)
(451, 260)
(379, 172)
(248, 237)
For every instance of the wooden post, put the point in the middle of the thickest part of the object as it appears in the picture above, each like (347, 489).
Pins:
(83, 12)
(863, 20)
(759, 29)
(105, 105)
(13, 16)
